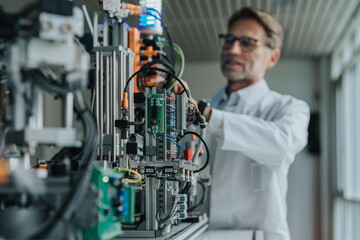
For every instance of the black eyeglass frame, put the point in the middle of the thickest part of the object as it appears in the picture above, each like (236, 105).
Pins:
(225, 36)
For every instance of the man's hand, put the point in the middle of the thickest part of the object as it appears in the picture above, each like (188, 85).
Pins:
(179, 89)
(207, 113)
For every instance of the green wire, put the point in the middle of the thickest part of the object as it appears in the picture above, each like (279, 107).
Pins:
(180, 53)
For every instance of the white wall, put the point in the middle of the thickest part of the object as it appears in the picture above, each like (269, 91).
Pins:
(297, 78)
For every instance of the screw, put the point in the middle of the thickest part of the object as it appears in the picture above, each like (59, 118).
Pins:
(46, 25)
(66, 28)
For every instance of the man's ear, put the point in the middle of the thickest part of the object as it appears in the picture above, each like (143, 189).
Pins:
(274, 57)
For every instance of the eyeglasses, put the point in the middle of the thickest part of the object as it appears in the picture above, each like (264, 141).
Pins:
(247, 43)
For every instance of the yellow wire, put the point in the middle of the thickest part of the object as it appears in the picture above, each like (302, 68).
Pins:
(134, 172)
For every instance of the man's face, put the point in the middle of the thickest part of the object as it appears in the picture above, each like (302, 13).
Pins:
(240, 65)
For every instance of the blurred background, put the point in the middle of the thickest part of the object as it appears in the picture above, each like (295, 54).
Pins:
(320, 64)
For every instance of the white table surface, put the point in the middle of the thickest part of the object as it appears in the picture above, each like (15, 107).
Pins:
(230, 235)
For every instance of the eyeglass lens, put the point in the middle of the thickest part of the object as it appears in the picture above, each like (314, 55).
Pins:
(246, 43)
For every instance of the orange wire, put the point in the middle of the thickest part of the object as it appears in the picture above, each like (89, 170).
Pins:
(169, 98)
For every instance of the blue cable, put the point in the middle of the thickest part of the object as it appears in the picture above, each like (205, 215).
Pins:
(182, 146)
(189, 124)
(171, 107)
(171, 140)
(170, 136)
(156, 136)
(153, 9)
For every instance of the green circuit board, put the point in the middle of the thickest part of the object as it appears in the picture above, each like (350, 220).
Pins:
(155, 113)
(116, 204)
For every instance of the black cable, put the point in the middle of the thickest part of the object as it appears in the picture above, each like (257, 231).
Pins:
(161, 70)
(41, 78)
(166, 61)
(206, 147)
(79, 189)
(182, 91)
(171, 44)
(137, 73)
(186, 188)
(77, 193)
(168, 34)
(71, 152)
(160, 61)
(141, 79)
(59, 156)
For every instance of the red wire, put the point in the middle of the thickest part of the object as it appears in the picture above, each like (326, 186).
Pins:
(169, 98)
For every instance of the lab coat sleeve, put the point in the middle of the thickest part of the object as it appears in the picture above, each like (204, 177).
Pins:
(268, 142)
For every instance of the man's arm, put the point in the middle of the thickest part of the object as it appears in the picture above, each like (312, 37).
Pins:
(267, 142)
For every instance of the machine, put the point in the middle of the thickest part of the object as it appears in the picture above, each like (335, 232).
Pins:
(130, 160)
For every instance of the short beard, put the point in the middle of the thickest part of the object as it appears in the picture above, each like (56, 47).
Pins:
(240, 77)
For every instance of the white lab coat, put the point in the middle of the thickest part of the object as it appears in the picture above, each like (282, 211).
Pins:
(253, 138)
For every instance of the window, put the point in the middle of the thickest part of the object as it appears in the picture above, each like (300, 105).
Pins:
(345, 71)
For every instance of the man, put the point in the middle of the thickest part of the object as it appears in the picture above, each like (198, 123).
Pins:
(253, 133)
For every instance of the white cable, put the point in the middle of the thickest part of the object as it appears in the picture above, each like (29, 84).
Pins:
(88, 19)
(199, 145)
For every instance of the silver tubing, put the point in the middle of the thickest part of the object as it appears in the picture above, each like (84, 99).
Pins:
(114, 105)
(131, 89)
(121, 91)
(151, 202)
(101, 105)
(123, 75)
(97, 79)
(38, 107)
(95, 34)
(107, 97)
(68, 105)
(19, 111)
(110, 95)
(95, 44)
(86, 13)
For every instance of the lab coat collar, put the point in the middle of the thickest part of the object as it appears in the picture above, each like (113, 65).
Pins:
(248, 94)
(254, 91)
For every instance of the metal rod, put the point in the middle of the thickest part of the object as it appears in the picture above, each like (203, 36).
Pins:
(105, 32)
(131, 90)
(97, 79)
(121, 90)
(38, 107)
(67, 107)
(123, 75)
(86, 13)
(151, 203)
(110, 95)
(107, 97)
(101, 104)
(114, 103)
(95, 34)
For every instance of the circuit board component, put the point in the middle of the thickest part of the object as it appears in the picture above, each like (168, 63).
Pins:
(115, 204)
(156, 117)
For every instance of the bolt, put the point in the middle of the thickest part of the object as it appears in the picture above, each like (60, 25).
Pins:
(66, 28)
(46, 25)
